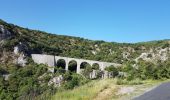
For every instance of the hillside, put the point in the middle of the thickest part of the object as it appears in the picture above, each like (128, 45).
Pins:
(21, 78)
(33, 41)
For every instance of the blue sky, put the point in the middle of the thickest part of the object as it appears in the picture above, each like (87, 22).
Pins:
(109, 20)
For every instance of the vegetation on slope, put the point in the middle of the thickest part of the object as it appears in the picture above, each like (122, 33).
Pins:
(42, 42)
(32, 82)
(25, 82)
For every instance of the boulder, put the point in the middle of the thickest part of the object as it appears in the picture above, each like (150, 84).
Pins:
(22, 60)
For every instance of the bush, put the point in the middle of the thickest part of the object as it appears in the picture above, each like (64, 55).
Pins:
(112, 70)
(23, 82)
(76, 80)
(86, 72)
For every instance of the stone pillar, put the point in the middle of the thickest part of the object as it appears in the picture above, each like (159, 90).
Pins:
(78, 67)
(101, 65)
(66, 66)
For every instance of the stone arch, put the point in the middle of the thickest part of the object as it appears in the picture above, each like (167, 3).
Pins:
(72, 65)
(95, 66)
(60, 66)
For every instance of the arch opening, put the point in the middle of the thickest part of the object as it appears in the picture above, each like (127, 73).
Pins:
(72, 66)
(84, 65)
(60, 65)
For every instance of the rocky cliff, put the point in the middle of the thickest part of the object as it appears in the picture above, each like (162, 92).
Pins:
(4, 33)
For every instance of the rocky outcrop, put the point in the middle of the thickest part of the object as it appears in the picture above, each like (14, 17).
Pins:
(4, 33)
(126, 55)
(21, 48)
(158, 54)
(21, 60)
(21, 51)
(56, 81)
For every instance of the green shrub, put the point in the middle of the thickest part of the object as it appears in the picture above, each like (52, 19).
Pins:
(76, 80)
(86, 72)
(113, 70)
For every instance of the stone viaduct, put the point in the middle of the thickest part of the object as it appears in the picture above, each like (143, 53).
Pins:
(51, 61)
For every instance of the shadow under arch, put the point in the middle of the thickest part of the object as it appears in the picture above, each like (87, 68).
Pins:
(60, 64)
(84, 65)
(72, 66)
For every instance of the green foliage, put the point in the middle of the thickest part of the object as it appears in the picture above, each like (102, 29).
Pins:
(44, 43)
(112, 70)
(147, 70)
(74, 80)
(95, 67)
(22, 83)
(86, 72)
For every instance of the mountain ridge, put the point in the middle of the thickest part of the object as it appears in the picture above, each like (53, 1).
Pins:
(39, 42)
(52, 33)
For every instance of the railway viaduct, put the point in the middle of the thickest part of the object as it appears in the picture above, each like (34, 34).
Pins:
(51, 61)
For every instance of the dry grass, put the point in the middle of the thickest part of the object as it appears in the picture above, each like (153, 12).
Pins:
(87, 92)
(104, 90)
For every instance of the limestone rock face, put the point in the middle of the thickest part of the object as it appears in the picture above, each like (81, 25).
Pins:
(16, 50)
(4, 33)
(20, 51)
(56, 81)
(20, 48)
(21, 60)
(158, 54)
